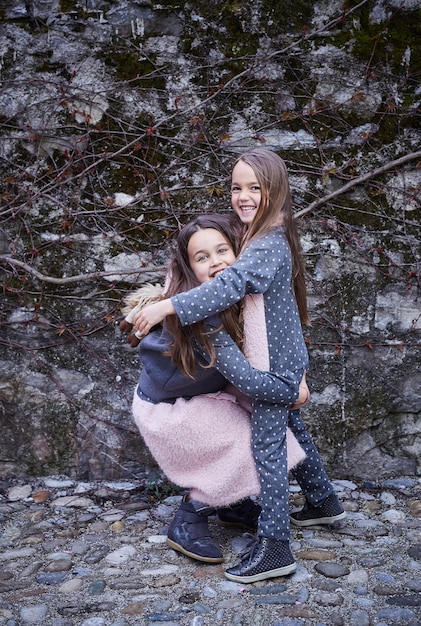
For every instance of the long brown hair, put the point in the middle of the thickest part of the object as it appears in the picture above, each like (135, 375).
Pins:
(276, 209)
(181, 278)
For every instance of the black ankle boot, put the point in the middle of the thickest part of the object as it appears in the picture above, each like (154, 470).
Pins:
(243, 515)
(267, 558)
(189, 533)
(327, 512)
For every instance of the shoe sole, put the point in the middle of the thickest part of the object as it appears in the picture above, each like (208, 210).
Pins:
(317, 521)
(197, 557)
(273, 573)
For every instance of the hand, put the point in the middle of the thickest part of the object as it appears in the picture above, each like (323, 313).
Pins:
(303, 394)
(152, 315)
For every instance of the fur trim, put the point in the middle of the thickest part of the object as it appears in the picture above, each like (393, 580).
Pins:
(202, 444)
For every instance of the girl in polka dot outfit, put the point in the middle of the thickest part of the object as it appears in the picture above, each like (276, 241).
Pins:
(270, 264)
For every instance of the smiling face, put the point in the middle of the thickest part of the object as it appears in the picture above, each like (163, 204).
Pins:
(209, 253)
(245, 192)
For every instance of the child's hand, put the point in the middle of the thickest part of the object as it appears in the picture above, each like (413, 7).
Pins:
(152, 315)
(303, 394)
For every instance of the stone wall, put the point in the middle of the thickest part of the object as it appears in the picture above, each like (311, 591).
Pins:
(120, 120)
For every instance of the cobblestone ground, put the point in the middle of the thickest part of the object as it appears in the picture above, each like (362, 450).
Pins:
(94, 554)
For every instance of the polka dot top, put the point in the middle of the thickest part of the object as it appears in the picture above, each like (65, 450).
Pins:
(265, 266)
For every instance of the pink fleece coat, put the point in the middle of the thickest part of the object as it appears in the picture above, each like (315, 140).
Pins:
(204, 444)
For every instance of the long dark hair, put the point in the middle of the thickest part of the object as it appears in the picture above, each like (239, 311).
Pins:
(275, 209)
(181, 278)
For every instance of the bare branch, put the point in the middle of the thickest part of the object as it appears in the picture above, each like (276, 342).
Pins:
(358, 181)
(79, 278)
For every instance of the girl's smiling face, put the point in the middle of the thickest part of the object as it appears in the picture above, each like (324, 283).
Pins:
(209, 253)
(245, 192)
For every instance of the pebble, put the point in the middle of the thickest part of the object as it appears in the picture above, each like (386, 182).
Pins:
(94, 554)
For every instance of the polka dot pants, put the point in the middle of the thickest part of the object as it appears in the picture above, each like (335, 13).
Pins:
(270, 454)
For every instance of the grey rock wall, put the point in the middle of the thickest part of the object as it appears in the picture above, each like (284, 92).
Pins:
(119, 121)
